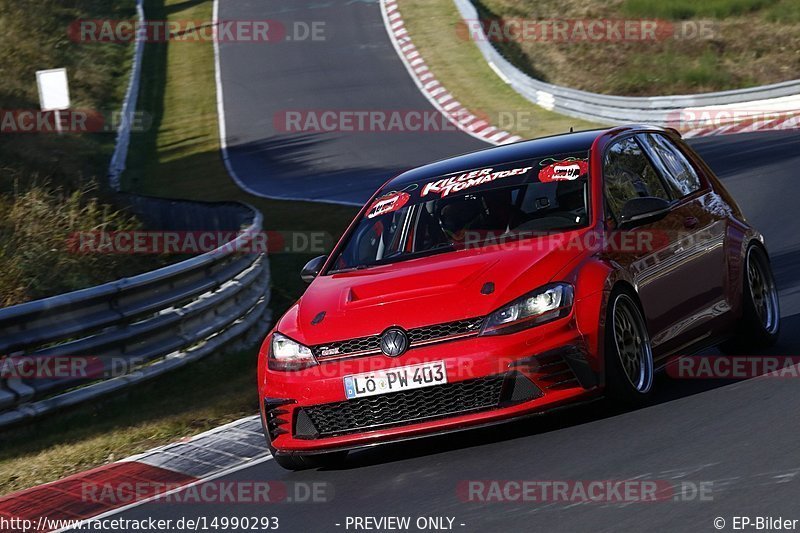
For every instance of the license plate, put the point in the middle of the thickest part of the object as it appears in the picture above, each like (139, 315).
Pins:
(395, 379)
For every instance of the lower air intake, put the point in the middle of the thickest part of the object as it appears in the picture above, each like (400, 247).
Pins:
(408, 407)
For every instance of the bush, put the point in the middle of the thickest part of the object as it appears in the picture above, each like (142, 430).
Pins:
(36, 259)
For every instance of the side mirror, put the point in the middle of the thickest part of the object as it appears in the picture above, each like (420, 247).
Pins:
(312, 268)
(641, 210)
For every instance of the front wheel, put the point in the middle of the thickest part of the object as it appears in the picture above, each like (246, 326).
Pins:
(760, 323)
(629, 355)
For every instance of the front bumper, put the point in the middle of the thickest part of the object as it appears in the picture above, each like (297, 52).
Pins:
(490, 379)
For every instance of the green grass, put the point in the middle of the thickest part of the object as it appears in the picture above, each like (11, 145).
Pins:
(711, 45)
(460, 67)
(36, 261)
(785, 11)
(671, 68)
(179, 158)
(687, 9)
(35, 36)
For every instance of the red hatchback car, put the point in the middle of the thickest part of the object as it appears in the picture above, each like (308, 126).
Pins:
(512, 281)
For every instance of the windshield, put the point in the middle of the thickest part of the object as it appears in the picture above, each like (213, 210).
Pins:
(472, 208)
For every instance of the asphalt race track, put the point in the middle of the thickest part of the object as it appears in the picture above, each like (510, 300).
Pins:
(739, 438)
(355, 68)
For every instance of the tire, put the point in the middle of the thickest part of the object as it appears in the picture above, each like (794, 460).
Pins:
(628, 351)
(305, 462)
(760, 323)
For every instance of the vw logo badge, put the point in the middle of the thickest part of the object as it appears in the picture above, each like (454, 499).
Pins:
(394, 342)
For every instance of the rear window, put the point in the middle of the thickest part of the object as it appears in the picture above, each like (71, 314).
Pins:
(472, 208)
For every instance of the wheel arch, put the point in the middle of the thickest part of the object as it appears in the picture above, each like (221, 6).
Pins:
(617, 280)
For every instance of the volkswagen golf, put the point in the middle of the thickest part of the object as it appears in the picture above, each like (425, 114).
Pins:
(510, 282)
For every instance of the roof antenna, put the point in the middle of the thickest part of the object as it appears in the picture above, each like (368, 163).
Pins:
(571, 130)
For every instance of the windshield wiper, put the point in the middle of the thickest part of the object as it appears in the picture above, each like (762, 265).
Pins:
(398, 256)
(349, 269)
(401, 255)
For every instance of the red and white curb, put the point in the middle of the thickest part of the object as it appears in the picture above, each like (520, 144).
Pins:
(746, 126)
(140, 478)
(431, 88)
(773, 114)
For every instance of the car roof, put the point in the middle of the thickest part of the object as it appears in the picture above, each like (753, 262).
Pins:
(541, 147)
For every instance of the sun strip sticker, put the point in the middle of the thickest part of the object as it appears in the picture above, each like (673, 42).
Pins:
(467, 180)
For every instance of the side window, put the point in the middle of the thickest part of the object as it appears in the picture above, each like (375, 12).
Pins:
(629, 174)
(678, 171)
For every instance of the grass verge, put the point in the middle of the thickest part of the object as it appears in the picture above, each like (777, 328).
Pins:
(705, 46)
(460, 67)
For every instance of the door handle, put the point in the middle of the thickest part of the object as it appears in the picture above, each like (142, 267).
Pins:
(690, 222)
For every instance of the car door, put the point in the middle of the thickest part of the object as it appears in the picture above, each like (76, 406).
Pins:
(702, 243)
(661, 261)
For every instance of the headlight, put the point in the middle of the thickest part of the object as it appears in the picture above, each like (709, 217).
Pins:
(542, 305)
(286, 354)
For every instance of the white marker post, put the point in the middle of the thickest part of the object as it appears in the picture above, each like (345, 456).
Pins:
(53, 92)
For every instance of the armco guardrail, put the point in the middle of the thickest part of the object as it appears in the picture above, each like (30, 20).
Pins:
(609, 109)
(135, 328)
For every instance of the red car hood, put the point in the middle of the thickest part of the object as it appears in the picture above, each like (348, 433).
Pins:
(419, 292)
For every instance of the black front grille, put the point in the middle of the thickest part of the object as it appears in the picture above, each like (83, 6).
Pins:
(442, 331)
(417, 336)
(406, 407)
(371, 344)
